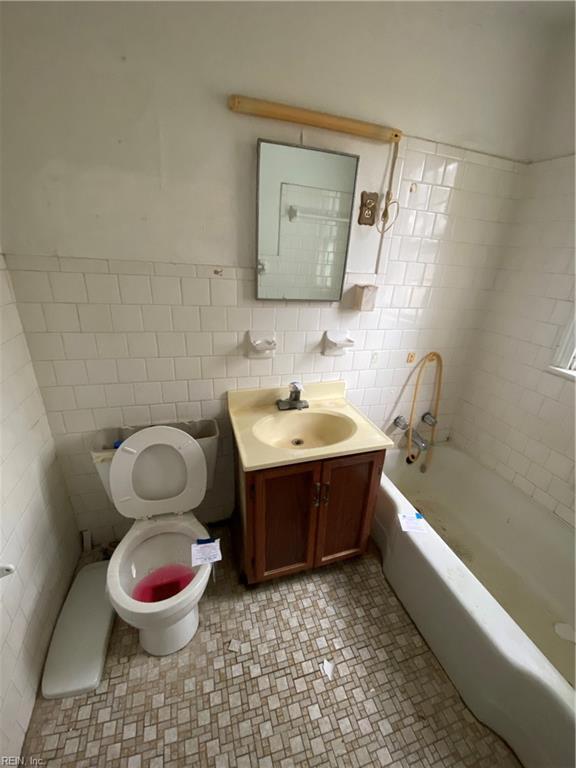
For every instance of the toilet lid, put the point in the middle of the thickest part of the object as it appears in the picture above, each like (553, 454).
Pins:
(157, 471)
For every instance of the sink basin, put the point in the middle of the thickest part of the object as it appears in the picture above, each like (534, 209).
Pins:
(303, 429)
(330, 427)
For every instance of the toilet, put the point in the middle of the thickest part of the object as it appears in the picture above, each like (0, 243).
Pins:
(157, 476)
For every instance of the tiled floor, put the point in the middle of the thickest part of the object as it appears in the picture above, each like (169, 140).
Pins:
(265, 702)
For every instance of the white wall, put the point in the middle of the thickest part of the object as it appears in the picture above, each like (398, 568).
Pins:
(117, 139)
(553, 129)
(137, 342)
(38, 531)
(515, 416)
(129, 181)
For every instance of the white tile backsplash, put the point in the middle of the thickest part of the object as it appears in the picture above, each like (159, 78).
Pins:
(38, 529)
(166, 290)
(159, 341)
(195, 291)
(514, 415)
(68, 287)
(103, 289)
(135, 289)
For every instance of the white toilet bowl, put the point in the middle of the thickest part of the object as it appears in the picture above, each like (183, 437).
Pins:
(156, 475)
(167, 625)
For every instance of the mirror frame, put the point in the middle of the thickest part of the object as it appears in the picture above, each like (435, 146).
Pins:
(345, 265)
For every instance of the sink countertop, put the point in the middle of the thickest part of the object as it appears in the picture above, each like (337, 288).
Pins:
(248, 406)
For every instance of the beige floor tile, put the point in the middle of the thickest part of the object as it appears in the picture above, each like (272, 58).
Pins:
(249, 692)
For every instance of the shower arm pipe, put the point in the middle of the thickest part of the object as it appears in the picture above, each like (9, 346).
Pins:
(246, 105)
(429, 358)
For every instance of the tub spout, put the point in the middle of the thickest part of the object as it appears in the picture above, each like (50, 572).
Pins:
(420, 442)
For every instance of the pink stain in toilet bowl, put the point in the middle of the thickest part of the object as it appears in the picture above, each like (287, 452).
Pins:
(163, 582)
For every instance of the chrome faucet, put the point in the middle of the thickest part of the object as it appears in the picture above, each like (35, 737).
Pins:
(429, 419)
(420, 442)
(293, 402)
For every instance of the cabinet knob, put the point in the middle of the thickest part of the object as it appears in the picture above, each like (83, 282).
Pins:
(326, 494)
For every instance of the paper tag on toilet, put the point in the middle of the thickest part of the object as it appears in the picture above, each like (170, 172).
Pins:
(204, 554)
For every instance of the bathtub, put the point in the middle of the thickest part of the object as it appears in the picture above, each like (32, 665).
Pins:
(487, 580)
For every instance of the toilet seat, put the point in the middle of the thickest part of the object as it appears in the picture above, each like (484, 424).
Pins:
(124, 473)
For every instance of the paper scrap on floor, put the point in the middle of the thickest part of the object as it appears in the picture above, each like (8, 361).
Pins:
(412, 522)
(328, 668)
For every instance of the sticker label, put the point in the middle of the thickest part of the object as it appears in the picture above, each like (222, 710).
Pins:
(206, 552)
(412, 523)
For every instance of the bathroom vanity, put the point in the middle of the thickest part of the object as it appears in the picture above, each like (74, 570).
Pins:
(307, 480)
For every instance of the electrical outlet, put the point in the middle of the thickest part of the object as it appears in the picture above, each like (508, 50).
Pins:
(411, 356)
(374, 359)
(368, 208)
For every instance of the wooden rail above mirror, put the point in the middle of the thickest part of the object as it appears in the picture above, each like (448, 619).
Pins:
(246, 105)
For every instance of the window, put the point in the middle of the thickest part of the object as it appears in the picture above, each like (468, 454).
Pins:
(564, 362)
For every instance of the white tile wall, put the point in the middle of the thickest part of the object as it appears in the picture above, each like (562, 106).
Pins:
(38, 530)
(514, 415)
(118, 342)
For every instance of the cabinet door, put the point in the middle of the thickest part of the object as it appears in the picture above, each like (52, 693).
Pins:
(349, 489)
(285, 519)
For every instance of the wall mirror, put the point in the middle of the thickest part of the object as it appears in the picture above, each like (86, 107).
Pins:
(305, 199)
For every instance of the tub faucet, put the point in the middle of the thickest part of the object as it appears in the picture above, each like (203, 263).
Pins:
(401, 423)
(429, 419)
(420, 442)
(293, 402)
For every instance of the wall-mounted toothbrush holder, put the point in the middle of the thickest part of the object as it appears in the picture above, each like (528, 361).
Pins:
(260, 344)
(335, 343)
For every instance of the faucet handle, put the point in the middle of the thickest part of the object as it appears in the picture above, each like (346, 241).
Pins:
(295, 386)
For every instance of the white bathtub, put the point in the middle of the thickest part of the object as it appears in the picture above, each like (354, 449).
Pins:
(486, 595)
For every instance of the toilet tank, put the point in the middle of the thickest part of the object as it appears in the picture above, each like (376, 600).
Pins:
(205, 432)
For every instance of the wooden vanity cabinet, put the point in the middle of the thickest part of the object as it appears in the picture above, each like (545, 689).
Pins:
(302, 516)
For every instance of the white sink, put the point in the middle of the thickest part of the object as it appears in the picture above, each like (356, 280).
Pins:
(301, 430)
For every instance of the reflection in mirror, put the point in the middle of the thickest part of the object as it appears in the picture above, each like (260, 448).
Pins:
(305, 199)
